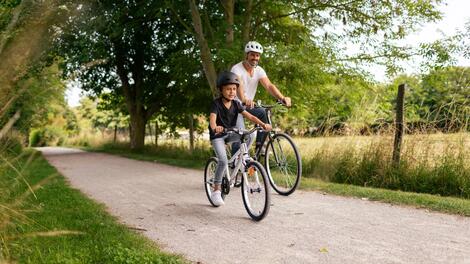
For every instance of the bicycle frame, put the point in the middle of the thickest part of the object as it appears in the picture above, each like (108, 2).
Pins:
(269, 134)
(242, 158)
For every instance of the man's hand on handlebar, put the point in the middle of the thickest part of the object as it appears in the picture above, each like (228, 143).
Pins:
(286, 101)
(218, 129)
(249, 103)
(266, 127)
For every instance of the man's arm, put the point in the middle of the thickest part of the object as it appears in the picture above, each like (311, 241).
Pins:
(272, 89)
(255, 120)
(241, 94)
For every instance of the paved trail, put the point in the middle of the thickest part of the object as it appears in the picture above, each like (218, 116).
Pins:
(306, 227)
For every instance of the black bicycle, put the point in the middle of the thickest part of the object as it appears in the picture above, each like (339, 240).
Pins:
(282, 159)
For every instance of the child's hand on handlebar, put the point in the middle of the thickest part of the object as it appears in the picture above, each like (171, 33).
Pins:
(266, 127)
(249, 103)
(218, 129)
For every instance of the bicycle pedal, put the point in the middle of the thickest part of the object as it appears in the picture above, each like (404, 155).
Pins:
(225, 186)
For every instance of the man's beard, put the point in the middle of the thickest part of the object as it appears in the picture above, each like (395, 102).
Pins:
(253, 64)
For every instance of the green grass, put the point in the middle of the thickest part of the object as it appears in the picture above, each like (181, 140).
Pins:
(64, 226)
(179, 156)
(420, 200)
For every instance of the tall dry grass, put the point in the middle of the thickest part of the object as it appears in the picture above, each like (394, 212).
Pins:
(430, 163)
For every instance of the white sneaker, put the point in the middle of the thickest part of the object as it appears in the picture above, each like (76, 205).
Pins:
(216, 198)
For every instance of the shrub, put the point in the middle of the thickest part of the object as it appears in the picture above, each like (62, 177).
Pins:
(36, 138)
(11, 145)
(47, 136)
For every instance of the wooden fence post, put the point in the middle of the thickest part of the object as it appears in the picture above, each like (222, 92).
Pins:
(399, 124)
(191, 132)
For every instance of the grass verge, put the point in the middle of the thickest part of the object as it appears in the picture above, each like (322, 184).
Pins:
(64, 226)
(437, 203)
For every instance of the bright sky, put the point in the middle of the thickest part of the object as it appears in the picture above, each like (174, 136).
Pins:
(455, 15)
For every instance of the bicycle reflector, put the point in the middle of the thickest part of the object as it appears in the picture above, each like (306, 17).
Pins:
(251, 171)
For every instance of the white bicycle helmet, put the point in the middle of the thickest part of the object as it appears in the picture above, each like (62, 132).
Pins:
(253, 46)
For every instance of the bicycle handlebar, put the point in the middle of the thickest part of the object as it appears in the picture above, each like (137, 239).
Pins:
(277, 105)
(242, 131)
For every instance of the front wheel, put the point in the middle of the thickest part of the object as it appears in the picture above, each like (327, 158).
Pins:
(255, 191)
(209, 176)
(283, 164)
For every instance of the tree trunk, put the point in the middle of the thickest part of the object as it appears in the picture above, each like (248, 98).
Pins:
(246, 22)
(191, 132)
(157, 132)
(7, 127)
(115, 133)
(207, 64)
(228, 8)
(149, 128)
(137, 125)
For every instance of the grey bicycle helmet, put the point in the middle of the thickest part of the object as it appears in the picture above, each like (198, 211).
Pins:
(227, 77)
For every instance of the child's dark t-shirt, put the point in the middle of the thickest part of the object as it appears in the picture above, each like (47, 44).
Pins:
(226, 118)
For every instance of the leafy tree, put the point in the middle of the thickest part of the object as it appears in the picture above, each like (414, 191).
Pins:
(126, 48)
(439, 99)
(446, 97)
(27, 79)
(221, 28)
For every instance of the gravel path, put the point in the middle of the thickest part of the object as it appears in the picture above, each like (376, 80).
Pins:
(169, 205)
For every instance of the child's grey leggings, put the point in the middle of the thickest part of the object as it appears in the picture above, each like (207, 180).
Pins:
(219, 147)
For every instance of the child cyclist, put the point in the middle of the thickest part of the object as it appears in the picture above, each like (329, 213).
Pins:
(223, 114)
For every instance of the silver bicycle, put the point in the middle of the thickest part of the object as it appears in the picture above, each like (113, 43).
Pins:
(245, 172)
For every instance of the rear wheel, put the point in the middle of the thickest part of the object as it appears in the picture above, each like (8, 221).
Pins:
(209, 175)
(283, 164)
(255, 191)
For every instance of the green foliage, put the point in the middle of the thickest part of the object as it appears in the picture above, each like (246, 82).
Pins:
(439, 100)
(169, 69)
(49, 135)
(36, 138)
(40, 96)
(131, 52)
(11, 145)
(124, 255)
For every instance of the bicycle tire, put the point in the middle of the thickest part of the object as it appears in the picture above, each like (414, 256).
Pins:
(209, 174)
(255, 181)
(283, 177)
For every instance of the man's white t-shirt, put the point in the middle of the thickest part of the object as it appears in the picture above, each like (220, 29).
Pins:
(250, 84)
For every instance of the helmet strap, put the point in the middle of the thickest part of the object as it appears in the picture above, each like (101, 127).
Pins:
(225, 98)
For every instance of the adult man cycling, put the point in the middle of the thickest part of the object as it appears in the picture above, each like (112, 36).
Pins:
(250, 74)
